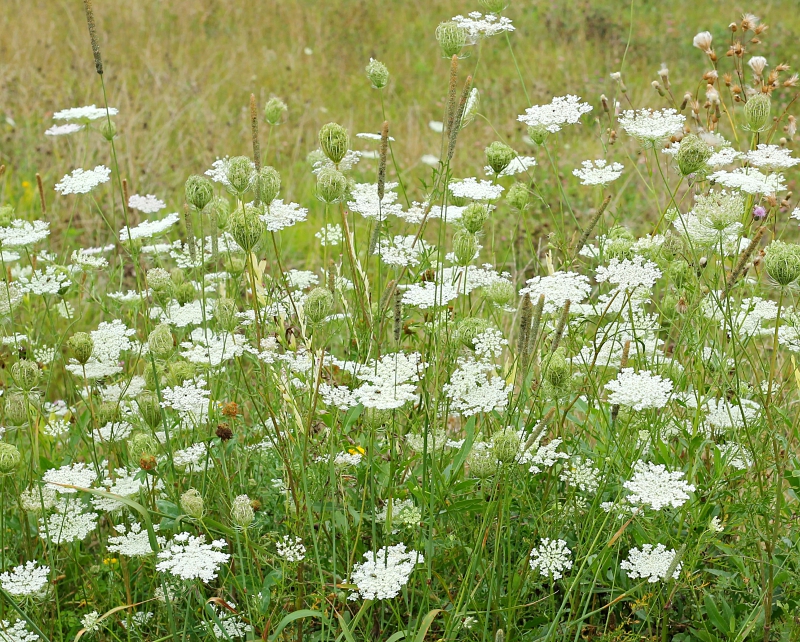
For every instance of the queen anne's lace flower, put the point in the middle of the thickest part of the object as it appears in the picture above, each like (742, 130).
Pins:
(70, 522)
(28, 580)
(402, 250)
(654, 486)
(279, 215)
(384, 573)
(750, 180)
(188, 557)
(19, 233)
(651, 563)
(17, 632)
(149, 204)
(83, 181)
(518, 165)
(133, 540)
(477, 191)
(651, 127)
(551, 558)
(90, 112)
(639, 390)
(562, 110)
(291, 548)
(598, 172)
(772, 157)
(478, 25)
(365, 201)
(78, 474)
(62, 130)
(471, 390)
(330, 235)
(558, 288)
(429, 294)
(148, 229)
(629, 274)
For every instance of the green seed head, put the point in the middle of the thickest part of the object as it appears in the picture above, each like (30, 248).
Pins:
(25, 374)
(558, 369)
(142, 445)
(274, 111)
(756, 112)
(81, 345)
(498, 156)
(150, 409)
(452, 37)
(159, 279)
(331, 185)
(240, 174)
(107, 412)
(318, 304)
(268, 182)
(377, 73)
(199, 191)
(222, 208)
(474, 216)
(160, 341)
(518, 196)
(692, 155)
(334, 141)
(179, 372)
(500, 292)
(192, 504)
(493, 6)
(6, 214)
(782, 262)
(482, 463)
(246, 227)
(10, 458)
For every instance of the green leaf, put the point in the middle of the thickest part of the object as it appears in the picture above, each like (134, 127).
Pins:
(297, 615)
(426, 624)
(714, 615)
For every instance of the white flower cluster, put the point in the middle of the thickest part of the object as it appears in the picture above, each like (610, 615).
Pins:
(476, 190)
(279, 215)
(471, 390)
(28, 580)
(551, 558)
(478, 25)
(148, 229)
(402, 250)
(70, 522)
(63, 130)
(188, 557)
(19, 233)
(149, 204)
(639, 390)
(365, 201)
(598, 172)
(90, 112)
(654, 486)
(558, 288)
(384, 573)
(17, 632)
(330, 235)
(83, 181)
(133, 541)
(562, 110)
(653, 563)
(291, 548)
(750, 180)
(652, 127)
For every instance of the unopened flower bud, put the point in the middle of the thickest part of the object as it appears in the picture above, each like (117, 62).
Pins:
(149, 408)
(192, 503)
(142, 445)
(499, 156)
(274, 110)
(220, 208)
(558, 370)
(538, 134)
(756, 112)
(500, 292)
(108, 129)
(468, 328)
(10, 458)
(242, 513)
(518, 196)
(505, 445)
(334, 141)
(82, 346)
(474, 216)
(452, 37)
(246, 227)
(240, 174)
(782, 262)
(268, 182)
(318, 304)
(692, 155)
(198, 191)
(465, 246)
(377, 73)
(107, 412)
(160, 341)
(179, 372)
(25, 374)
(482, 463)
(16, 409)
(493, 6)
(225, 314)
(331, 185)
(185, 293)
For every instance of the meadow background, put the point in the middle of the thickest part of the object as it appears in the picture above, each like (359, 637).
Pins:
(181, 73)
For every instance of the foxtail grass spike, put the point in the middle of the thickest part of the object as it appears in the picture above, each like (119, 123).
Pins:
(538, 428)
(398, 315)
(592, 224)
(562, 323)
(525, 315)
(331, 277)
(382, 159)
(536, 321)
(744, 259)
(375, 236)
(462, 105)
(41, 192)
(254, 132)
(98, 60)
(451, 94)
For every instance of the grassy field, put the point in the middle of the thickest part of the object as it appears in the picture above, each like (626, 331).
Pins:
(549, 404)
(181, 73)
